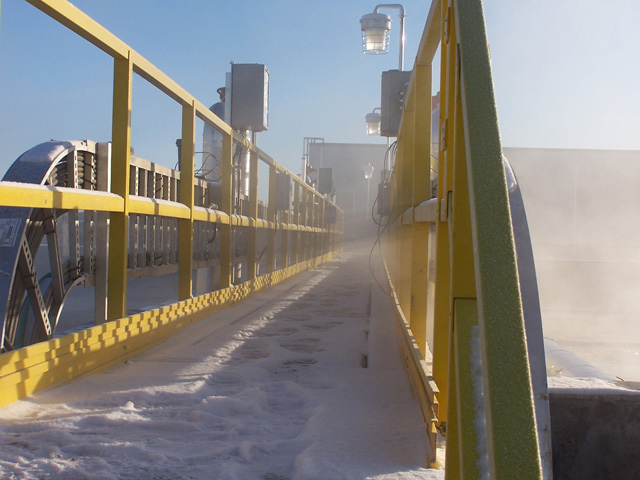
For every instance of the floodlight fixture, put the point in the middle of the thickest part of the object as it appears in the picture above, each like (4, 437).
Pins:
(375, 31)
(373, 122)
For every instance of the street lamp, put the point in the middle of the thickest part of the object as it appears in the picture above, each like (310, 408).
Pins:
(368, 173)
(373, 122)
(375, 31)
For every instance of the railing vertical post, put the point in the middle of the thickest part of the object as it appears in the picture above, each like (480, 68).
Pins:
(323, 225)
(405, 159)
(314, 225)
(421, 192)
(441, 340)
(466, 351)
(227, 207)
(304, 210)
(296, 221)
(252, 248)
(284, 235)
(119, 221)
(463, 303)
(187, 169)
(271, 218)
(507, 390)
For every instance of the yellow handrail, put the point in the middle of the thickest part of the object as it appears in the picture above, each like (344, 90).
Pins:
(313, 239)
(479, 387)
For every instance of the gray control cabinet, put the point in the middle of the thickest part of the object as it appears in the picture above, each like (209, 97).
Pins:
(249, 97)
(325, 180)
(394, 84)
(283, 191)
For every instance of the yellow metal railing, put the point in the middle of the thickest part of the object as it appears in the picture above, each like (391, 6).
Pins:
(478, 388)
(307, 237)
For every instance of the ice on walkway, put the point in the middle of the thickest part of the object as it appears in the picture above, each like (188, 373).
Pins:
(273, 389)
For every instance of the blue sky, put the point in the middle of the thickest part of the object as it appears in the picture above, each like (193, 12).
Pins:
(566, 72)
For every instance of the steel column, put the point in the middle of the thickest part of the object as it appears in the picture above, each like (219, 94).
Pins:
(187, 170)
(119, 222)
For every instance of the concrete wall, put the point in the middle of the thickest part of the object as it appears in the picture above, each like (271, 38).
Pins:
(595, 436)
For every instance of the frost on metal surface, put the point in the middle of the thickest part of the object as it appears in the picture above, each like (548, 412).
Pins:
(478, 404)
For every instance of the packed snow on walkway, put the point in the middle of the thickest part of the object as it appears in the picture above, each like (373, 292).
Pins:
(301, 382)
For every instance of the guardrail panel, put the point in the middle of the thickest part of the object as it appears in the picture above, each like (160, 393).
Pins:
(145, 200)
(474, 254)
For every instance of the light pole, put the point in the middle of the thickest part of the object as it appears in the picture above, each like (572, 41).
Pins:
(375, 31)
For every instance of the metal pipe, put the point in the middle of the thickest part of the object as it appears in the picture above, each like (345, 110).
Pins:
(402, 15)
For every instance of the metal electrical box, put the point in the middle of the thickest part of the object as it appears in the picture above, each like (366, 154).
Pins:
(283, 191)
(394, 86)
(325, 180)
(332, 214)
(249, 97)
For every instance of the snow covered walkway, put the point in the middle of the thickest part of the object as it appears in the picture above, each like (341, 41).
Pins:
(301, 382)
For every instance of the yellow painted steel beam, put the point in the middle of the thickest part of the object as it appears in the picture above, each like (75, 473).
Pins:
(226, 205)
(431, 35)
(464, 450)
(441, 340)
(405, 160)
(77, 21)
(468, 381)
(296, 220)
(462, 266)
(252, 247)
(207, 215)
(159, 207)
(311, 222)
(302, 254)
(315, 216)
(323, 226)
(271, 217)
(25, 371)
(119, 221)
(187, 187)
(507, 384)
(284, 236)
(421, 189)
(14, 194)
(396, 243)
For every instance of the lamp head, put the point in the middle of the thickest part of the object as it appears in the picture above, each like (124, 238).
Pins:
(375, 33)
(373, 123)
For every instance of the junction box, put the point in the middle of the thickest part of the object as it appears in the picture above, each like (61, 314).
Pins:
(249, 97)
(394, 88)
(283, 191)
(325, 180)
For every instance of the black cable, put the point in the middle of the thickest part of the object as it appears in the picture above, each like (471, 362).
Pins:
(389, 155)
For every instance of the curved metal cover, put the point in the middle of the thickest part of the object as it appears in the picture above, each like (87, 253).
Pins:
(532, 318)
(33, 166)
